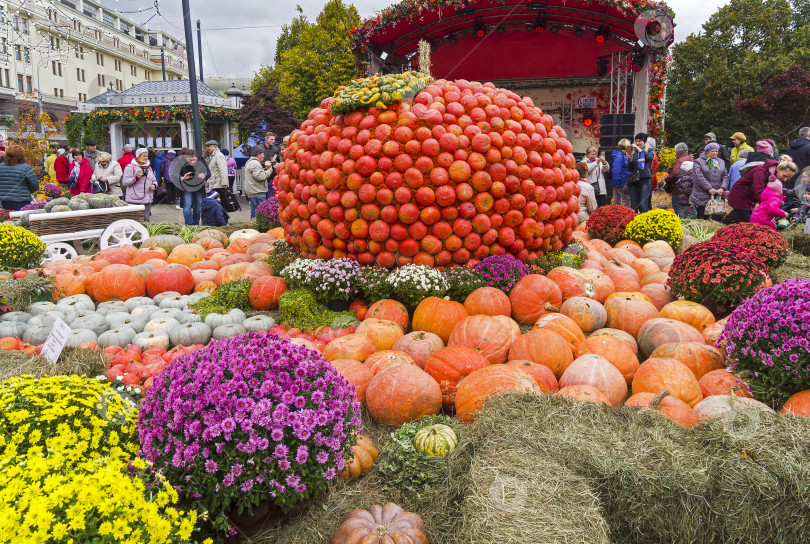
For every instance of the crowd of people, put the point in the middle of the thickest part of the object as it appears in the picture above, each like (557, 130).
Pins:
(737, 184)
(202, 190)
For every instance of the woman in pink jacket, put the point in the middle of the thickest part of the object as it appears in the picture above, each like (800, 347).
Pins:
(769, 204)
(140, 181)
(80, 173)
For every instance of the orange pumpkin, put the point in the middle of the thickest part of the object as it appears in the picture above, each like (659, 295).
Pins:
(620, 335)
(356, 373)
(692, 313)
(230, 272)
(157, 263)
(115, 282)
(629, 314)
(713, 331)
(628, 246)
(583, 393)
(487, 382)
(262, 238)
(532, 297)
(203, 275)
(798, 404)
(623, 276)
(616, 351)
(383, 333)
(630, 294)
(381, 359)
(595, 370)
(352, 346)
(206, 242)
(98, 264)
(572, 282)
(510, 324)
(390, 310)
(258, 248)
(143, 270)
(216, 234)
(205, 265)
(658, 294)
(438, 316)
(419, 345)
(205, 287)
(265, 292)
(623, 255)
(600, 246)
(657, 277)
(174, 277)
(672, 407)
(186, 254)
(655, 375)
(401, 393)
(659, 331)
(68, 284)
(543, 347)
(562, 325)
(117, 255)
(602, 284)
(240, 245)
(723, 382)
(448, 366)
(235, 258)
(541, 374)
(644, 267)
(697, 356)
(484, 334)
(256, 270)
(488, 301)
(660, 244)
(363, 456)
(276, 233)
(588, 314)
(144, 255)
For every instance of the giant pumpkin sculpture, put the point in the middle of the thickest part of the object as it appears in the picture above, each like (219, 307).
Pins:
(460, 170)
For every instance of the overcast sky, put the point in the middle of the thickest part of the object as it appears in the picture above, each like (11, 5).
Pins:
(240, 52)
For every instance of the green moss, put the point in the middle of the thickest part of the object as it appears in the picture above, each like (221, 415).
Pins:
(228, 296)
(300, 309)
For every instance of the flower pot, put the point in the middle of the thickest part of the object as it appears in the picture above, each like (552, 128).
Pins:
(338, 305)
(265, 516)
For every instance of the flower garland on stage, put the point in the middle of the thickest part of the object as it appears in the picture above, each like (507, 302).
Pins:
(658, 78)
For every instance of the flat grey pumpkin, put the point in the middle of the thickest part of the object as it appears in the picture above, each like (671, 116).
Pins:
(135, 302)
(13, 329)
(16, 317)
(38, 308)
(119, 320)
(163, 324)
(36, 334)
(146, 340)
(80, 336)
(190, 333)
(121, 336)
(259, 323)
(228, 331)
(234, 317)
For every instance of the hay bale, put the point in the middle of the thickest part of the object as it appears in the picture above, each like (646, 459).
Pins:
(796, 266)
(798, 240)
(515, 495)
(657, 482)
(230, 229)
(702, 229)
(82, 362)
(21, 293)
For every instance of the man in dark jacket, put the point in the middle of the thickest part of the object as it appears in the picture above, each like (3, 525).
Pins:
(709, 138)
(165, 164)
(125, 161)
(212, 213)
(799, 151)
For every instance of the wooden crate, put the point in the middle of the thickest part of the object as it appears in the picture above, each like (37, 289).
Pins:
(67, 222)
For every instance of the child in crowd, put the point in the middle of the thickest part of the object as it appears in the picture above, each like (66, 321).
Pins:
(769, 204)
(683, 190)
(212, 212)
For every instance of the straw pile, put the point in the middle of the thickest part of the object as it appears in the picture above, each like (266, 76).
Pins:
(83, 362)
(798, 240)
(21, 293)
(546, 469)
(796, 266)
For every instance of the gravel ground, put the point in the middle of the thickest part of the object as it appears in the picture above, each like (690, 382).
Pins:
(169, 214)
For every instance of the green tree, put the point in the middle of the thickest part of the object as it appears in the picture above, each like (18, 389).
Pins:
(741, 47)
(291, 34)
(320, 62)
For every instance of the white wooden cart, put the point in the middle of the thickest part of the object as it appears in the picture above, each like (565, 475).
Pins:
(64, 233)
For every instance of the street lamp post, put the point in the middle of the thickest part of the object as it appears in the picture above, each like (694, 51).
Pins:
(192, 77)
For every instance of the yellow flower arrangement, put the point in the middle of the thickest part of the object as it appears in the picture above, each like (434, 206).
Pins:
(666, 157)
(19, 248)
(78, 418)
(655, 225)
(44, 500)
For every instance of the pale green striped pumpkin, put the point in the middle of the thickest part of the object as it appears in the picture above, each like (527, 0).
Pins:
(435, 440)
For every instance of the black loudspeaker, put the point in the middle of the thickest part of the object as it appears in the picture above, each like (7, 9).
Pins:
(616, 126)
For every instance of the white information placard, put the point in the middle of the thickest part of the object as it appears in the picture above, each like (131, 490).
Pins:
(56, 340)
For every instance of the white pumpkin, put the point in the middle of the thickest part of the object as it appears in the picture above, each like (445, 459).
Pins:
(244, 233)
(48, 318)
(94, 322)
(179, 302)
(121, 336)
(80, 336)
(172, 313)
(259, 323)
(136, 302)
(190, 316)
(147, 339)
(118, 320)
(144, 312)
(13, 329)
(163, 324)
(190, 333)
(723, 406)
(163, 296)
(234, 317)
(38, 308)
(228, 331)
(114, 306)
(76, 304)
(36, 334)
(16, 317)
(195, 297)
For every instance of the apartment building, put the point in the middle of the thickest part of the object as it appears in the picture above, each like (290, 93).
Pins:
(67, 51)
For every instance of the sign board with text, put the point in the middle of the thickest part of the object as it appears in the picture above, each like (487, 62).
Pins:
(586, 102)
(56, 341)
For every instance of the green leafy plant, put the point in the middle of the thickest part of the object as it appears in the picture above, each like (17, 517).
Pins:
(572, 256)
(405, 468)
(372, 284)
(300, 309)
(462, 281)
(158, 229)
(283, 254)
(228, 296)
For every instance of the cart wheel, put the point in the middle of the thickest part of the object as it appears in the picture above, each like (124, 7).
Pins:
(124, 232)
(59, 251)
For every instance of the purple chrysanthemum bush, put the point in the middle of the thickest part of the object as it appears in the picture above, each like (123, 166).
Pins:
(267, 214)
(502, 271)
(767, 342)
(246, 419)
